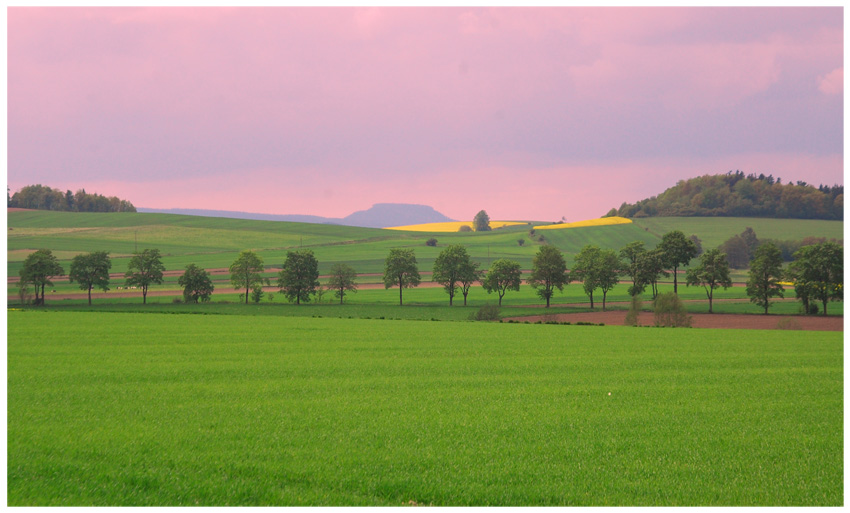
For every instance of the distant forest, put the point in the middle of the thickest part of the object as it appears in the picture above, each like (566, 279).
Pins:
(40, 197)
(739, 195)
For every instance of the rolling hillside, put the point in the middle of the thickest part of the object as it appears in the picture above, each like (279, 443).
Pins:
(215, 242)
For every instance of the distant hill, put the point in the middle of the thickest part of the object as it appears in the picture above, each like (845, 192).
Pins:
(381, 215)
(739, 195)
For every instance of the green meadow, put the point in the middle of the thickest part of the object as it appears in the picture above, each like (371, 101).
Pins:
(369, 403)
(111, 408)
(215, 242)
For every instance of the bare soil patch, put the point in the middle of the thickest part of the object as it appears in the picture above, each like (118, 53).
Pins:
(727, 321)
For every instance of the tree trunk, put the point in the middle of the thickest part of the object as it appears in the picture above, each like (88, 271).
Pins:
(144, 295)
(89, 295)
(500, 299)
(400, 288)
(464, 298)
(246, 294)
(42, 295)
(825, 301)
(591, 300)
(341, 294)
(710, 296)
(675, 281)
(604, 293)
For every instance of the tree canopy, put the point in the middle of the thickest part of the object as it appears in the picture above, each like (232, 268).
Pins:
(342, 279)
(712, 272)
(401, 269)
(677, 250)
(503, 275)
(247, 272)
(40, 197)
(299, 277)
(37, 270)
(765, 276)
(144, 270)
(739, 195)
(818, 273)
(596, 269)
(548, 272)
(91, 270)
(196, 284)
(481, 222)
(453, 268)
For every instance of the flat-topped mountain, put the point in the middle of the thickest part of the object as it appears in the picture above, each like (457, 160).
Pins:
(380, 215)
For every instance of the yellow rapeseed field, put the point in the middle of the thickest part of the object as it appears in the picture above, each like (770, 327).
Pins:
(603, 221)
(448, 227)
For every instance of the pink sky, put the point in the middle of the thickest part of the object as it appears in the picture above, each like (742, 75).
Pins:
(528, 113)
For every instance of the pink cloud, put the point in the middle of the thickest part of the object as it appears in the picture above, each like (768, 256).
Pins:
(832, 82)
(333, 109)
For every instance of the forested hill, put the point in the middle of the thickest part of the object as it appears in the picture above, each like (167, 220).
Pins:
(40, 197)
(739, 195)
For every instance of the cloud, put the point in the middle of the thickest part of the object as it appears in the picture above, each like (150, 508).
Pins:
(832, 82)
(411, 97)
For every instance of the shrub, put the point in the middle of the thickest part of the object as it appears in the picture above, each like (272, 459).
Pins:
(256, 294)
(487, 313)
(789, 323)
(465, 228)
(520, 241)
(670, 311)
(634, 311)
(431, 242)
(177, 300)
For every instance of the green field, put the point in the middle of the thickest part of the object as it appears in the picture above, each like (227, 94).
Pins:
(216, 242)
(713, 231)
(152, 409)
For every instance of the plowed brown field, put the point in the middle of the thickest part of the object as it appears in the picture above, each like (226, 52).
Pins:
(734, 321)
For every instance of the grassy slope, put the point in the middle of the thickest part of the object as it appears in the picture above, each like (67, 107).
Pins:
(713, 231)
(223, 410)
(215, 242)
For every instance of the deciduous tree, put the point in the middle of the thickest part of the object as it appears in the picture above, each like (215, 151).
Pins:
(247, 272)
(469, 274)
(548, 272)
(678, 250)
(300, 276)
(402, 270)
(765, 275)
(196, 284)
(631, 254)
(37, 270)
(144, 270)
(91, 270)
(818, 273)
(342, 279)
(452, 267)
(712, 272)
(503, 275)
(596, 268)
(481, 222)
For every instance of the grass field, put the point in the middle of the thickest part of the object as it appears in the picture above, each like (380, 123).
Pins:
(216, 242)
(713, 231)
(153, 409)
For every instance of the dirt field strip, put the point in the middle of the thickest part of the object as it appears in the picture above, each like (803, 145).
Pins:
(729, 321)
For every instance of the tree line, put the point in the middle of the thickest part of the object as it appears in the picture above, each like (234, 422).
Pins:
(39, 197)
(816, 273)
(739, 195)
